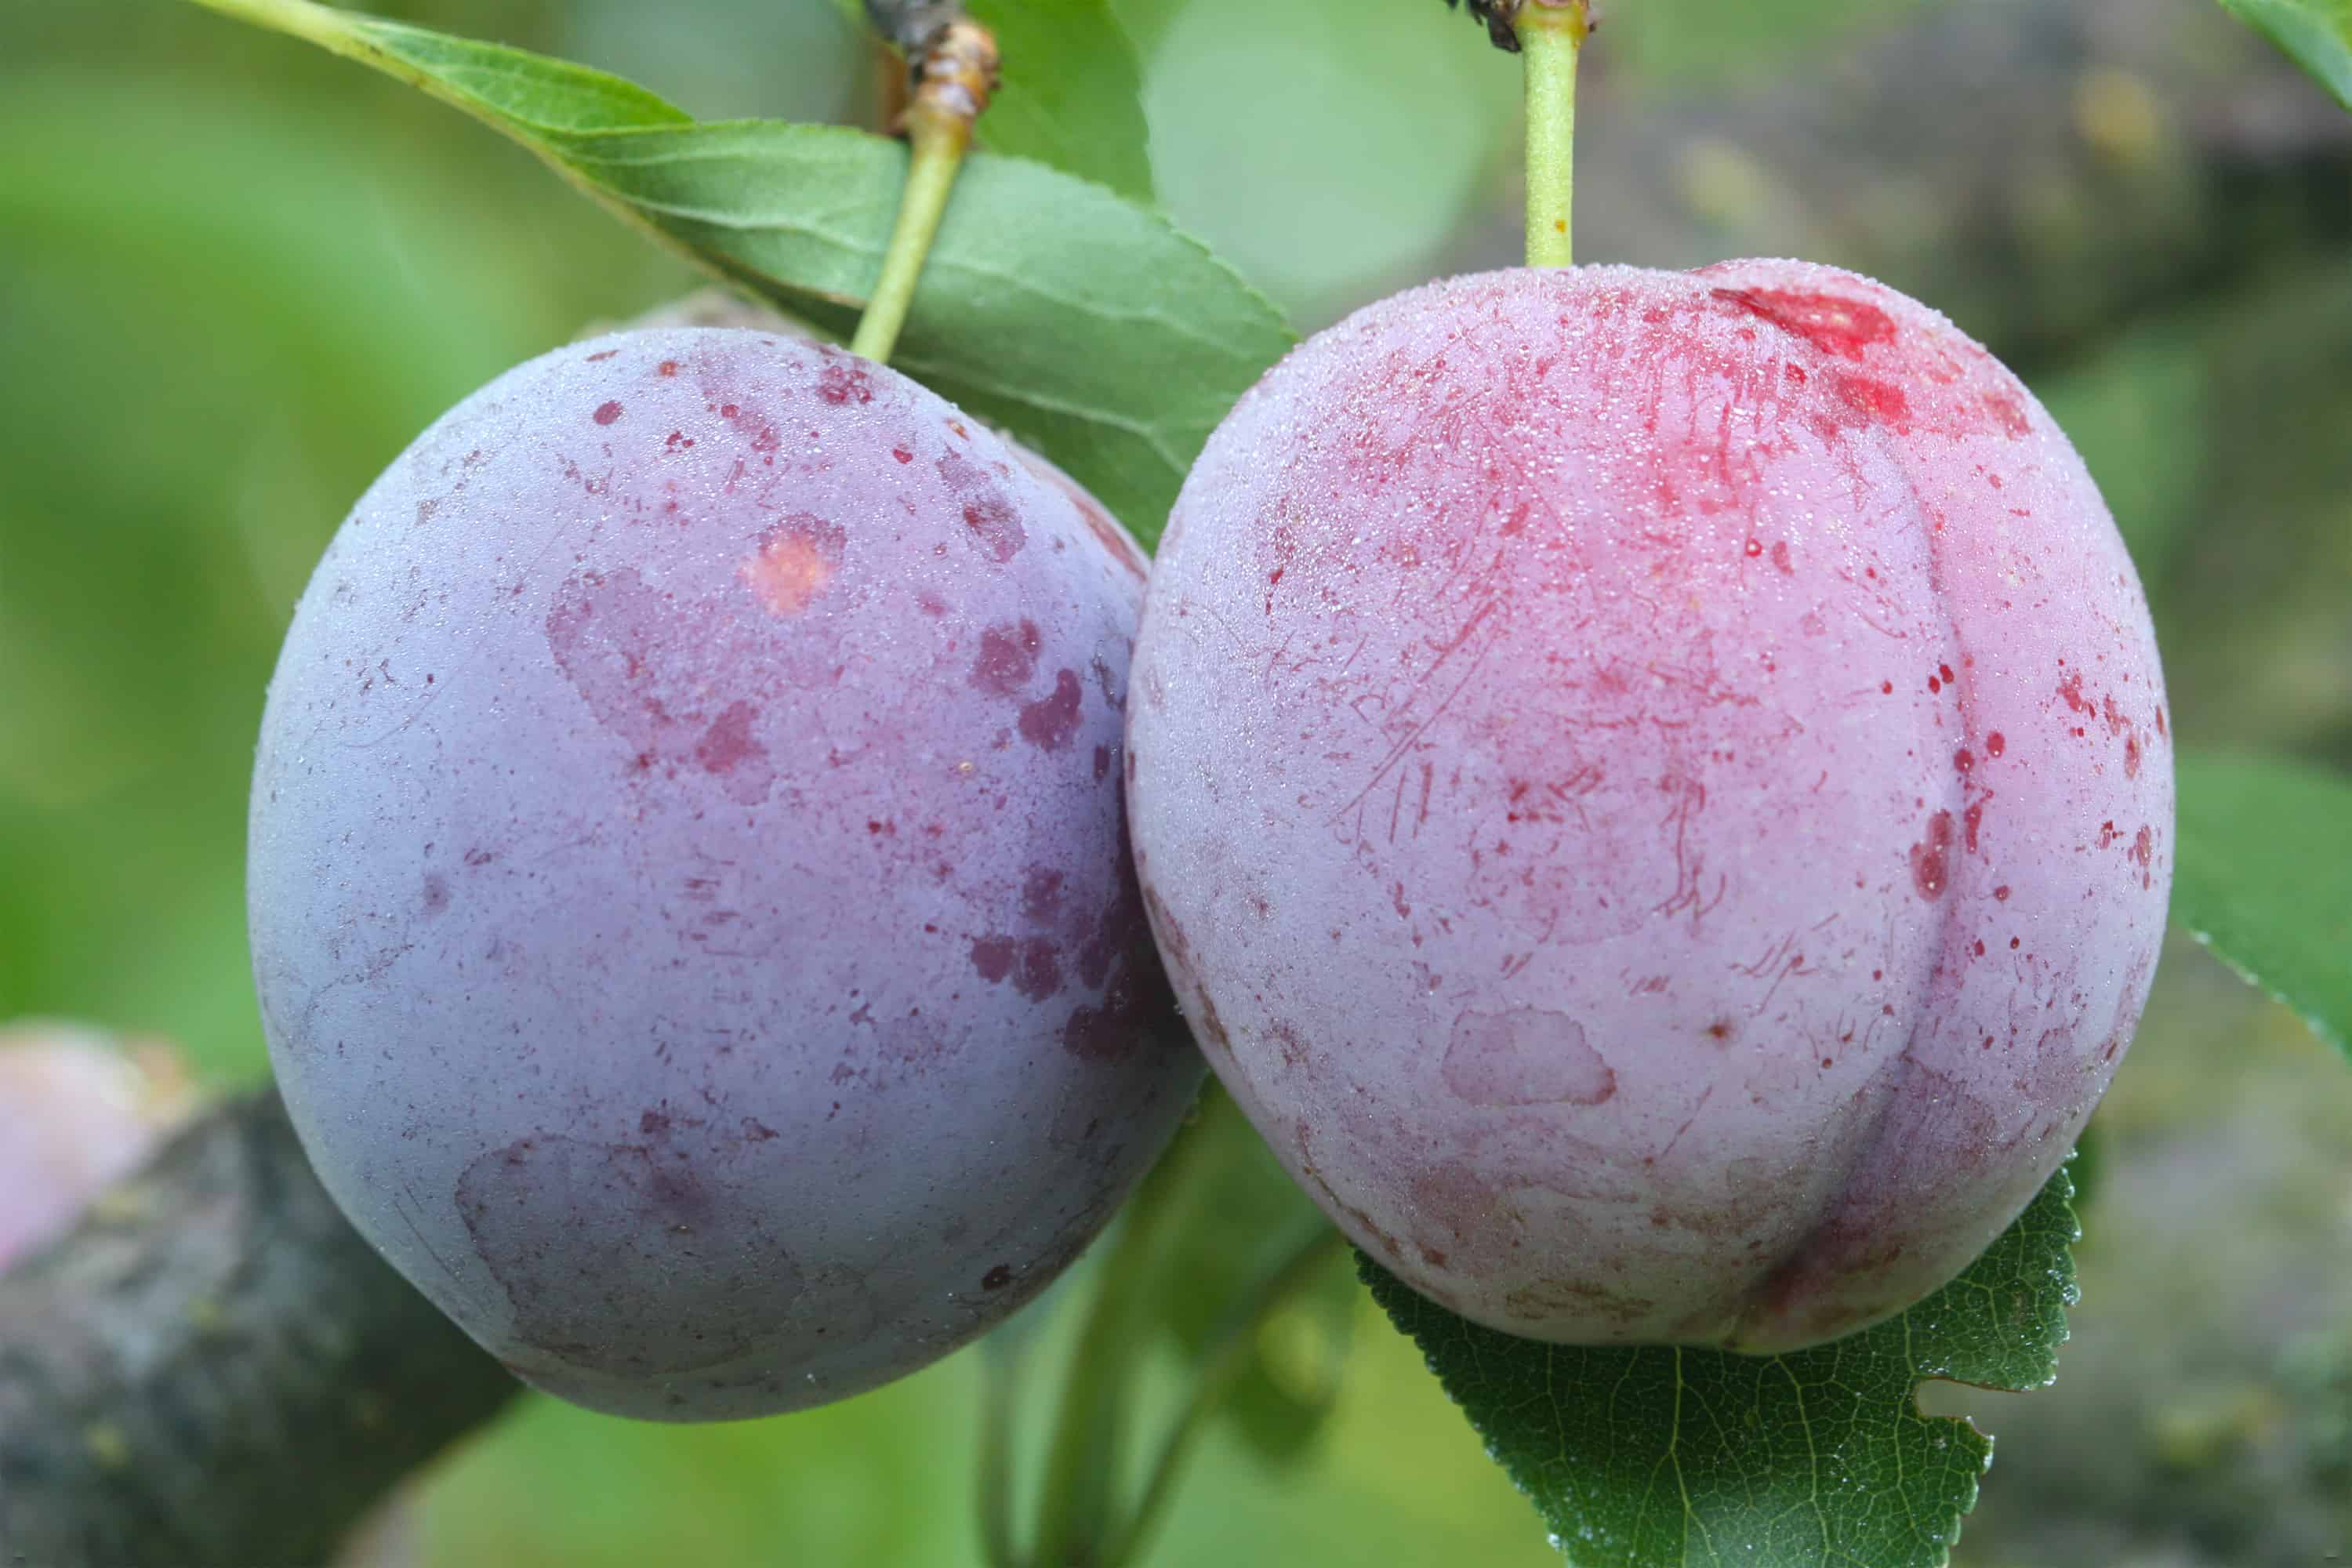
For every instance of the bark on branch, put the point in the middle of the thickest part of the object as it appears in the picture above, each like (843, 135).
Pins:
(214, 1368)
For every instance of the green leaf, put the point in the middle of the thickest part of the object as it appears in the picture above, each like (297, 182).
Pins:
(2263, 875)
(1660, 1458)
(2315, 34)
(1073, 91)
(1084, 324)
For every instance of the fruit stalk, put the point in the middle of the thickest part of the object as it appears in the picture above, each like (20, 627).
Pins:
(1551, 36)
(1220, 1369)
(953, 78)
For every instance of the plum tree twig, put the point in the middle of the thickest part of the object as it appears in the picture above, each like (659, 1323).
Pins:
(954, 75)
(213, 1368)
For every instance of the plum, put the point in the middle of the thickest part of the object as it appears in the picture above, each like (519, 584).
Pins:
(1655, 793)
(688, 885)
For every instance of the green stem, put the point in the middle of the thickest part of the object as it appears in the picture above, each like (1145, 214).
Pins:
(1229, 1357)
(939, 141)
(1551, 36)
(999, 1382)
(1082, 1469)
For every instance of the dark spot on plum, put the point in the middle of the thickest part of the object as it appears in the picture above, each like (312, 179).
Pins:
(1831, 323)
(1780, 557)
(1041, 894)
(608, 412)
(756, 1131)
(436, 895)
(667, 367)
(903, 454)
(998, 530)
(986, 512)
(1931, 858)
(1994, 745)
(843, 378)
(1102, 764)
(1872, 399)
(1213, 1027)
(654, 1124)
(1008, 657)
(603, 356)
(728, 744)
(1040, 974)
(2009, 413)
(1050, 721)
(992, 957)
(997, 1278)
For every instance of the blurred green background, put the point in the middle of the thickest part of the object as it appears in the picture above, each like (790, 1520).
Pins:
(237, 276)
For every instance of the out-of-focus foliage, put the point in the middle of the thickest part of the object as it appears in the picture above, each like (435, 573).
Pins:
(237, 277)
(1073, 91)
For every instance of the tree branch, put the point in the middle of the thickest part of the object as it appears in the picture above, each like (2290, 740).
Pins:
(214, 1368)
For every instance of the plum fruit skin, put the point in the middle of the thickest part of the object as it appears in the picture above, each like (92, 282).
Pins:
(1655, 793)
(688, 891)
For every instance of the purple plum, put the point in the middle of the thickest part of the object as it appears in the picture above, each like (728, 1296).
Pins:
(689, 894)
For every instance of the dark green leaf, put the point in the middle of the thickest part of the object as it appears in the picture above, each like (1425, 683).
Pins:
(1659, 1457)
(1084, 324)
(2315, 34)
(2262, 876)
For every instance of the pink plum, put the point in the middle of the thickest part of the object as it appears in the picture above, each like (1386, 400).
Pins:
(1655, 793)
